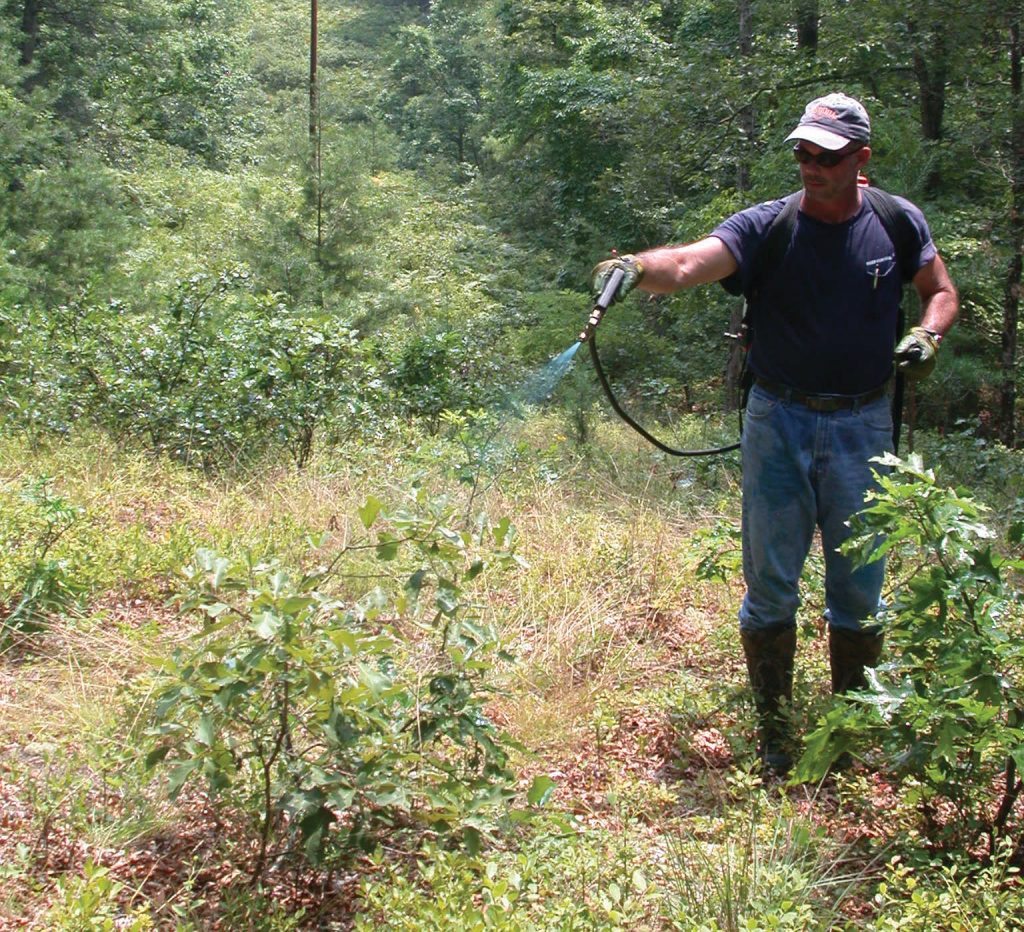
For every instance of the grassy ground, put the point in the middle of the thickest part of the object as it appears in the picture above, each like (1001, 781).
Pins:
(625, 687)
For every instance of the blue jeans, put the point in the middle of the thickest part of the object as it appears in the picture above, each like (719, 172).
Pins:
(804, 469)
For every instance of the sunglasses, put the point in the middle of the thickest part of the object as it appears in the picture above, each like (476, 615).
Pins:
(824, 158)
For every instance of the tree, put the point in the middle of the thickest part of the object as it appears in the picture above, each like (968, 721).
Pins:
(931, 67)
(747, 118)
(29, 30)
(437, 77)
(1012, 289)
(807, 15)
(316, 167)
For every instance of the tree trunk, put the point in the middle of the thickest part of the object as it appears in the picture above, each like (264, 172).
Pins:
(807, 16)
(29, 30)
(314, 126)
(1012, 288)
(313, 90)
(747, 111)
(931, 67)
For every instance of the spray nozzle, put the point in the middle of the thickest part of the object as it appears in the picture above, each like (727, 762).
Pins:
(603, 302)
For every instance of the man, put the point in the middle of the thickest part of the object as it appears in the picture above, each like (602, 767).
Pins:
(822, 358)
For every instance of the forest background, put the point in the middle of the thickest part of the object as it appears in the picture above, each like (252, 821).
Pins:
(268, 269)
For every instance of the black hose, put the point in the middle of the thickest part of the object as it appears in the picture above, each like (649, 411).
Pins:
(614, 402)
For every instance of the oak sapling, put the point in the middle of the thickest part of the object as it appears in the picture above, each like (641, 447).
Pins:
(305, 710)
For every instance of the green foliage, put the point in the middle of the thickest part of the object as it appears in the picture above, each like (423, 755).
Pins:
(302, 708)
(560, 878)
(185, 85)
(437, 78)
(437, 373)
(246, 908)
(309, 232)
(959, 896)
(945, 711)
(972, 460)
(36, 578)
(91, 902)
(158, 70)
(207, 371)
(720, 556)
(570, 128)
(64, 226)
(776, 871)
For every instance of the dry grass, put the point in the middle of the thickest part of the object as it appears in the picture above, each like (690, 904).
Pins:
(617, 648)
(63, 681)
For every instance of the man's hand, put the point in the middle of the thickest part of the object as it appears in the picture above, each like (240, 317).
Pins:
(915, 353)
(632, 272)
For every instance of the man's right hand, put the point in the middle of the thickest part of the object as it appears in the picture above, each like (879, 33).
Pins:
(632, 271)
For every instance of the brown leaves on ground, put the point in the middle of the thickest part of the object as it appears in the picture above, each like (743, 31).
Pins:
(55, 808)
(198, 863)
(666, 763)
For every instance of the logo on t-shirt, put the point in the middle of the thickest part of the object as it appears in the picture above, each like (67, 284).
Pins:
(879, 268)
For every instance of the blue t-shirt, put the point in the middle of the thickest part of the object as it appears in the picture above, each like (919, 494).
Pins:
(825, 320)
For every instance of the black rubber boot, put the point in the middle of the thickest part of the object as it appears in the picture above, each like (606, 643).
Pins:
(770, 653)
(849, 653)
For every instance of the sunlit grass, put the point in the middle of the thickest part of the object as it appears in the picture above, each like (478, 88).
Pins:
(625, 682)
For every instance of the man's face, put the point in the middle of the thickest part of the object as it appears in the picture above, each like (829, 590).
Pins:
(829, 183)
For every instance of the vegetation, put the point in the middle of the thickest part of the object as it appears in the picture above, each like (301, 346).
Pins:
(325, 602)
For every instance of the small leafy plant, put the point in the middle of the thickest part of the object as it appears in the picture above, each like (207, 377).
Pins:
(945, 712)
(559, 877)
(35, 580)
(92, 901)
(309, 712)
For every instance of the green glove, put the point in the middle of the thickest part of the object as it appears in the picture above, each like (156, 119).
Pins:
(915, 353)
(632, 269)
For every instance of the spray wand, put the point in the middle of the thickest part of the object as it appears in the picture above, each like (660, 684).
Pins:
(601, 304)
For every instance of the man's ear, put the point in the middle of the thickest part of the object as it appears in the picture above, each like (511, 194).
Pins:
(863, 156)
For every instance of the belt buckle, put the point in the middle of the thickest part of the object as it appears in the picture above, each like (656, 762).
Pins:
(822, 404)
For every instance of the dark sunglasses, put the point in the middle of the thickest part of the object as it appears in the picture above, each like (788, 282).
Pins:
(824, 158)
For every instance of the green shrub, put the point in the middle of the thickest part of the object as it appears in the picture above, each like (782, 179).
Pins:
(959, 897)
(558, 878)
(92, 902)
(210, 371)
(944, 712)
(309, 713)
(436, 373)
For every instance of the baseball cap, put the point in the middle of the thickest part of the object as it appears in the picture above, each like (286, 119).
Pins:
(832, 122)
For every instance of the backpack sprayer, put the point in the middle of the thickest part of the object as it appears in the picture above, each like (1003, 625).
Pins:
(588, 334)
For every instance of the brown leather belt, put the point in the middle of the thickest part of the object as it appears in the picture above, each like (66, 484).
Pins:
(823, 403)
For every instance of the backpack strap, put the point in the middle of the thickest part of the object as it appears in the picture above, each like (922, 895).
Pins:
(904, 238)
(899, 228)
(776, 243)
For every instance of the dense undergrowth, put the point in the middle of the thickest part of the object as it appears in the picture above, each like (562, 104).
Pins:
(375, 708)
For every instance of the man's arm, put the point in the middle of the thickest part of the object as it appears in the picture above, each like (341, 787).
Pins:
(939, 301)
(670, 268)
(915, 353)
